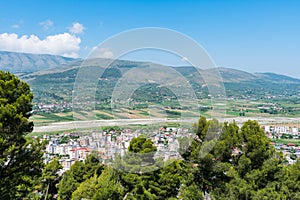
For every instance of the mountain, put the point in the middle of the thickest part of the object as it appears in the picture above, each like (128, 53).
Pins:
(233, 75)
(60, 81)
(54, 76)
(277, 78)
(26, 62)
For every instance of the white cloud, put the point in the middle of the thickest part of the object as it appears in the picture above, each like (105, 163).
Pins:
(63, 44)
(18, 25)
(46, 24)
(15, 26)
(101, 53)
(76, 28)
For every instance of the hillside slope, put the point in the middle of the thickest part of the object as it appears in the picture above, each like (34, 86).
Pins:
(60, 81)
(26, 62)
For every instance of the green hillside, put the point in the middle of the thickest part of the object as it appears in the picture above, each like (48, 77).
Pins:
(157, 86)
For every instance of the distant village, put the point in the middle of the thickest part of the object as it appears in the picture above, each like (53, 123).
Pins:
(71, 147)
(290, 150)
(57, 107)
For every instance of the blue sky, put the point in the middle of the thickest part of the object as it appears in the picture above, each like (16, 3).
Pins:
(255, 36)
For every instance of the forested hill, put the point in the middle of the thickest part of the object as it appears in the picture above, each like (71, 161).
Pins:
(237, 83)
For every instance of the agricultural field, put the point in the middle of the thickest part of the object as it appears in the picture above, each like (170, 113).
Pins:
(229, 109)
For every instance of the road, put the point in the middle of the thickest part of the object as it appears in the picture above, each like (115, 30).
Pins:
(61, 126)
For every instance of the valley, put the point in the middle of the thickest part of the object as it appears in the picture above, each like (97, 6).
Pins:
(259, 95)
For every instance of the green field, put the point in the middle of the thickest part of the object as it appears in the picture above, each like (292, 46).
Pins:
(171, 109)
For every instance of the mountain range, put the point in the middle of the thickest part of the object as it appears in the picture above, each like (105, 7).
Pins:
(26, 62)
(55, 75)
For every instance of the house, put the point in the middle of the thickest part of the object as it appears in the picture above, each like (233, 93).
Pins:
(282, 129)
(79, 153)
(267, 129)
(67, 163)
(295, 131)
(84, 142)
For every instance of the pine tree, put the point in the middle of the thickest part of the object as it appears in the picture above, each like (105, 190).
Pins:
(51, 178)
(20, 158)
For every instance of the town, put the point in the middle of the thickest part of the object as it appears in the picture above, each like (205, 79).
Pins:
(71, 147)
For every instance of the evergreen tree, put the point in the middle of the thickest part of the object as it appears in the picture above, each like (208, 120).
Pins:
(241, 165)
(78, 173)
(50, 178)
(20, 158)
(106, 186)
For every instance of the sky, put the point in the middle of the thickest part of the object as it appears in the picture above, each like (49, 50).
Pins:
(254, 36)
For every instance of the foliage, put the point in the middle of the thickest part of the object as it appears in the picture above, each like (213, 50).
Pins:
(105, 186)
(242, 164)
(141, 145)
(50, 178)
(20, 158)
(140, 151)
(78, 173)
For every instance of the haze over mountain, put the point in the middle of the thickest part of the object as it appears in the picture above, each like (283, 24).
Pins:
(26, 62)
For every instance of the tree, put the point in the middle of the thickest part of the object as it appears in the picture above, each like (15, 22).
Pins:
(92, 165)
(257, 146)
(170, 179)
(87, 189)
(106, 186)
(71, 180)
(242, 164)
(199, 128)
(51, 178)
(191, 192)
(141, 152)
(257, 171)
(109, 186)
(67, 185)
(139, 178)
(78, 173)
(141, 145)
(289, 181)
(20, 158)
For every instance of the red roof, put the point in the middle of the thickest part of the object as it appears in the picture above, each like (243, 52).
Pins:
(291, 144)
(83, 149)
(80, 148)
